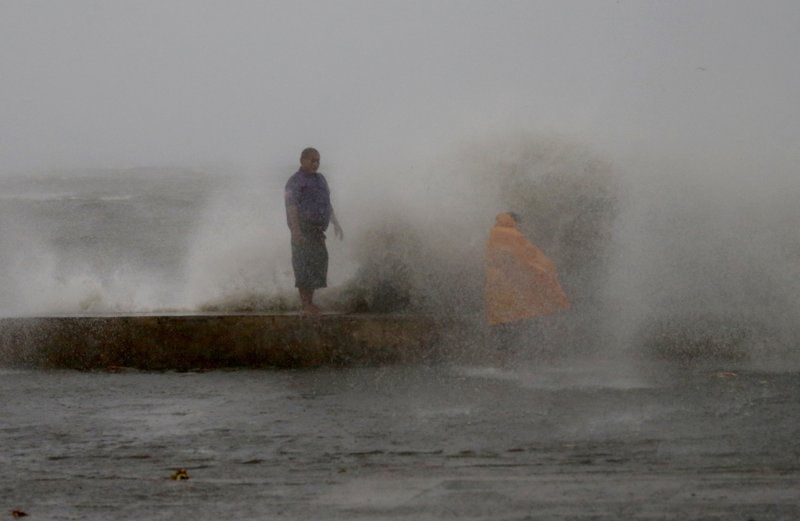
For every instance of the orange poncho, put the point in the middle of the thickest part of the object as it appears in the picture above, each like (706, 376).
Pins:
(521, 282)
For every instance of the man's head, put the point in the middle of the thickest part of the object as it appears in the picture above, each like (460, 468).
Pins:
(309, 160)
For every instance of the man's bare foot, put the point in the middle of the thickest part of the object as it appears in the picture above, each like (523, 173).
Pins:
(311, 309)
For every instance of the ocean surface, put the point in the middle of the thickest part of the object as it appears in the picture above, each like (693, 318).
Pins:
(513, 440)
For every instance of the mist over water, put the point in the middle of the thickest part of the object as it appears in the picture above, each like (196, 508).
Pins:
(96, 240)
(708, 255)
(654, 260)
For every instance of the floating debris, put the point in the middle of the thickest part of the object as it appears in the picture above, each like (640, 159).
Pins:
(18, 514)
(726, 374)
(180, 474)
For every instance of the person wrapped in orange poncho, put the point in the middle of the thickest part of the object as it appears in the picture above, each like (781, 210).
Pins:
(521, 282)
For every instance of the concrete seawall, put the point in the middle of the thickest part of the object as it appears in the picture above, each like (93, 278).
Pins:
(187, 342)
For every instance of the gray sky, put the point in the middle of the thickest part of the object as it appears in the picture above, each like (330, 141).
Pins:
(246, 83)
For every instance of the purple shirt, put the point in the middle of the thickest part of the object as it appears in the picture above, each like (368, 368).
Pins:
(310, 194)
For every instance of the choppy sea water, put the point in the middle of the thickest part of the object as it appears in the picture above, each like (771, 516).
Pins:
(563, 441)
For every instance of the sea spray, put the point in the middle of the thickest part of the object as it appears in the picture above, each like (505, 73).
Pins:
(418, 244)
(707, 262)
(430, 256)
(97, 241)
(657, 257)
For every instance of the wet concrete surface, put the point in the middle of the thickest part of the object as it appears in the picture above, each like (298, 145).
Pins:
(513, 440)
(214, 340)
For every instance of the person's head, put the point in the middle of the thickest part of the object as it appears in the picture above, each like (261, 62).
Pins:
(309, 160)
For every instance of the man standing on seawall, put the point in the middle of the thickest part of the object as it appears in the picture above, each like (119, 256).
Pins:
(308, 212)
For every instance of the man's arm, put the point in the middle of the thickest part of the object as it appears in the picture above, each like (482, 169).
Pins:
(337, 230)
(293, 219)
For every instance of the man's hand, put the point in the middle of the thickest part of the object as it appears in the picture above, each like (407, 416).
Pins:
(337, 230)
